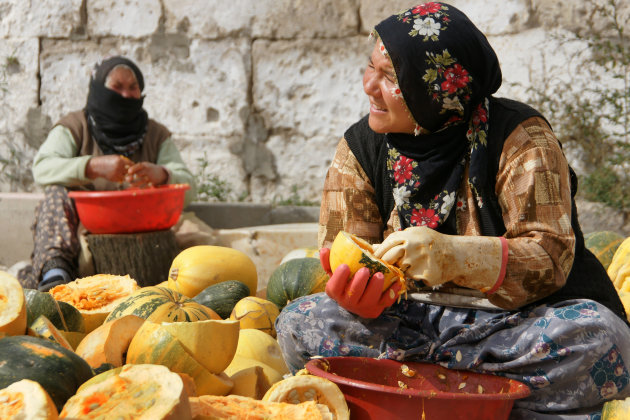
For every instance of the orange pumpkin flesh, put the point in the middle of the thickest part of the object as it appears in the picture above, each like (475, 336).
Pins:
(95, 296)
(26, 399)
(142, 392)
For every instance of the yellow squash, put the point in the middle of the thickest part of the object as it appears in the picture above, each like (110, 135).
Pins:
(12, 306)
(258, 345)
(154, 344)
(357, 253)
(198, 267)
(256, 312)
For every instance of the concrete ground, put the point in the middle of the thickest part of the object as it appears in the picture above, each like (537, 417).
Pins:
(264, 232)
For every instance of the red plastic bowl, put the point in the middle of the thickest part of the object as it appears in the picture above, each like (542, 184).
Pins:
(132, 210)
(377, 389)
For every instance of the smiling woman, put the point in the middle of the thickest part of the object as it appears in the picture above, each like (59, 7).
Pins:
(471, 197)
(388, 111)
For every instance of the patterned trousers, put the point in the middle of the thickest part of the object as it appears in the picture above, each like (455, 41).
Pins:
(571, 354)
(55, 238)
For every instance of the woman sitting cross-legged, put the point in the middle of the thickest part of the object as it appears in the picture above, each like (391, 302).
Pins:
(472, 197)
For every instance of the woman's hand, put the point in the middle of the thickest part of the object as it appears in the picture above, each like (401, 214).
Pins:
(360, 294)
(145, 174)
(476, 262)
(111, 167)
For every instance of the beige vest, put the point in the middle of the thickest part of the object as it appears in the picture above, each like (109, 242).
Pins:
(76, 122)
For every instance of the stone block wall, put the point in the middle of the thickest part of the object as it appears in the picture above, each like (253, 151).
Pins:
(260, 90)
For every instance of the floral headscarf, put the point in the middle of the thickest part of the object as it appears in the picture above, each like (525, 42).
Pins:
(446, 71)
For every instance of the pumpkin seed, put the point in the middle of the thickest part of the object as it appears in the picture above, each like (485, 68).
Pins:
(407, 371)
(310, 395)
(294, 397)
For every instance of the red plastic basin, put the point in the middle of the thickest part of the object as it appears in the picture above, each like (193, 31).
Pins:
(377, 389)
(132, 210)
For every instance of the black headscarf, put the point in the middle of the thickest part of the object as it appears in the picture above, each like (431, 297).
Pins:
(118, 124)
(446, 71)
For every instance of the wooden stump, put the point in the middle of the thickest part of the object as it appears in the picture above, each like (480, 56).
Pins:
(145, 256)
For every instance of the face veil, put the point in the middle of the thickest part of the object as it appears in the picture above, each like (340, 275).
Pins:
(446, 71)
(116, 123)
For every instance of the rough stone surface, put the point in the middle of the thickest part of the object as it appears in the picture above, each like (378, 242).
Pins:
(256, 93)
(40, 18)
(596, 217)
(126, 18)
(267, 245)
(275, 19)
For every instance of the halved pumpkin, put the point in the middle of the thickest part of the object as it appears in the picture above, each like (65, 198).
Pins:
(148, 392)
(26, 400)
(63, 315)
(300, 388)
(156, 345)
(12, 306)
(212, 342)
(356, 253)
(109, 342)
(95, 296)
(211, 407)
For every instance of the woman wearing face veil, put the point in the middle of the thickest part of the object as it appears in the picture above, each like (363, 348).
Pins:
(108, 145)
(471, 196)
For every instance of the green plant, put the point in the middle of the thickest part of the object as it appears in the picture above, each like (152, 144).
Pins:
(210, 187)
(590, 112)
(16, 157)
(293, 199)
(15, 165)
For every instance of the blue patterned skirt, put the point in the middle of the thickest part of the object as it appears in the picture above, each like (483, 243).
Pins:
(571, 354)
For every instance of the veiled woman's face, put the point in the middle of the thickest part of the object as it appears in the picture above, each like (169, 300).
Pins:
(123, 81)
(388, 111)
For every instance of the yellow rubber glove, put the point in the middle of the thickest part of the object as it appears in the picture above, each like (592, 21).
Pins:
(476, 262)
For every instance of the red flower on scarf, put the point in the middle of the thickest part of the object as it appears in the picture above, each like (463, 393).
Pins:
(456, 77)
(402, 169)
(480, 116)
(427, 8)
(424, 217)
(454, 119)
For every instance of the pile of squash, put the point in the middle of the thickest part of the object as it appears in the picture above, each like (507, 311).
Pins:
(613, 251)
(198, 345)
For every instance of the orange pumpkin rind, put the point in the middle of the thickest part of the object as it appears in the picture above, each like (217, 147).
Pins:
(357, 253)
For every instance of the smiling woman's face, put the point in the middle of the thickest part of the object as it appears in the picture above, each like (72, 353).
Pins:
(388, 111)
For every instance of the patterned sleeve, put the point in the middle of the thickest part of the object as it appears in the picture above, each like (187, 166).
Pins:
(534, 193)
(348, 201)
